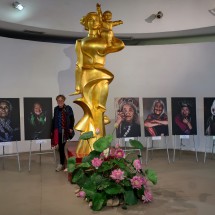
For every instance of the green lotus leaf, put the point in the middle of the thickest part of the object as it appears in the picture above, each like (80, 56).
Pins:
(89, 158)
(79, 177)
(136, 144)
(130, 197)
(114, 189)
(151, 175)
(99, 200)
(86, 135)
(102, 143)
(71, 164)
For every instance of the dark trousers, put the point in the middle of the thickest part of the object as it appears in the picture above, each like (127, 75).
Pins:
(61, 149)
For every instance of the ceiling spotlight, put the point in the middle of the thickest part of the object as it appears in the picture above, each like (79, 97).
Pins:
(159, 15)
(18, 5)
(152, 17)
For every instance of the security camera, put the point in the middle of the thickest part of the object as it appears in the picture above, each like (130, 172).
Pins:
(159, 15)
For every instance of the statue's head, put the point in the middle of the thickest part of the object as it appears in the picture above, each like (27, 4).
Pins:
(90, 21)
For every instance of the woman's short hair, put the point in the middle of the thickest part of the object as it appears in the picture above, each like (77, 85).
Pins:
(61, 96)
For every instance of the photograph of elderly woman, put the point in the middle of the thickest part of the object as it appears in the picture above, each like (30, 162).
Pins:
(155, 117)
(209, 116)
(127, 117)
(37, 118)
(9, 119)
(184, 116)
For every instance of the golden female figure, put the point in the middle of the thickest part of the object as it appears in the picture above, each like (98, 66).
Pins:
(92, 80)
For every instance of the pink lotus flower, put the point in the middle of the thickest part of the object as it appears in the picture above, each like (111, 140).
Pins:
(147, 197)
(112, 152)
(117, 145)
(81, 194)
(96, 162)
(102, 155)
(144, 181)
(119, 153)
(137, 182)
(137, 165)
(117, 175)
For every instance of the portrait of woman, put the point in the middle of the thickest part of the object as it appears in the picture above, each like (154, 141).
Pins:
(184, 116)
(9, 119)
(209, 116)
(37, 118)
(127, 117)
(155, 117)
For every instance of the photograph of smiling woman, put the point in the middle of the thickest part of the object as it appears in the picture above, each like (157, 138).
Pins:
(127, 117)
(156, 119)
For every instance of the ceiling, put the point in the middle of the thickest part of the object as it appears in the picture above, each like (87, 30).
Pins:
(60, 19)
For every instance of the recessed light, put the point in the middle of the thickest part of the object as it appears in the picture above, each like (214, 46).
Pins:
(18, 5)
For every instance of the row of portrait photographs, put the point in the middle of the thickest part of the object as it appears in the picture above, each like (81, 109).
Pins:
(127, 116)
(37, 119)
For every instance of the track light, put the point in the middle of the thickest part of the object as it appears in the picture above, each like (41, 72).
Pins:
(18, 5)
(152, 17)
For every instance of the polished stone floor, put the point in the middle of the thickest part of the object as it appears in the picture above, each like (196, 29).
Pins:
(184, 187)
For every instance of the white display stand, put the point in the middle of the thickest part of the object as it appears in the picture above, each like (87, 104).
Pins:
(212, 150)
(152, 148)
(125, 142)
(40, 142)
(5, 144)
(183, 137)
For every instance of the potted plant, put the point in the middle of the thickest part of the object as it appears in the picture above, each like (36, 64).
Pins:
(107, 177)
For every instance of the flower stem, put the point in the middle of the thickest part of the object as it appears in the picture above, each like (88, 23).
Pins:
(89, 145)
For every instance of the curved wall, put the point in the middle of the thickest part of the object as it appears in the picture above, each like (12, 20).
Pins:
(36, 69)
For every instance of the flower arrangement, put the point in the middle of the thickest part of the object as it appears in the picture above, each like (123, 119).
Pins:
(107, 177)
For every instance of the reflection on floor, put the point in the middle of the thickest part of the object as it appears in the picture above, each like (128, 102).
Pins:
(184, 187)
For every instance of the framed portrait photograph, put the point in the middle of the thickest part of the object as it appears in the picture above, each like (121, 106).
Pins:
(184, 116)
(209, 116)
(127, 117)
(155, 117)
(9, 120)
(37, 118)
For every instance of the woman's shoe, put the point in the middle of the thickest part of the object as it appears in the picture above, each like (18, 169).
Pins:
(59, 168)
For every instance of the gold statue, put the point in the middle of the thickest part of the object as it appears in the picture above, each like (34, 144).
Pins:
(92, 78)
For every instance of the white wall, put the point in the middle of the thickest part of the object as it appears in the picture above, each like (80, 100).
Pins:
(37, 69)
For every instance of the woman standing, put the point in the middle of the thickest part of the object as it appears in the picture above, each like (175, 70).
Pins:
(62, 128)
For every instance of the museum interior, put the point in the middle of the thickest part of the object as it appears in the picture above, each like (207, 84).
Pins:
(151, 61)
